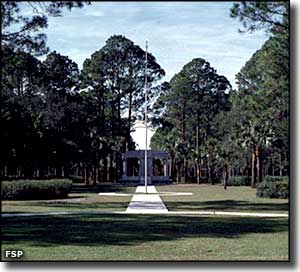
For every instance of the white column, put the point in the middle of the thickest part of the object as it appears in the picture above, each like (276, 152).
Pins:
(125, 167)
(165, 169)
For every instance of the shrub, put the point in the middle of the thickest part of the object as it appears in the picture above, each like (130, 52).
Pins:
(35, 189)
(273, 187)
(282, 189)
(275, 179)
(77, 179)
(239, 181)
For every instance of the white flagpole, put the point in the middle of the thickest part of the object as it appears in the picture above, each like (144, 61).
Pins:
(146, 101)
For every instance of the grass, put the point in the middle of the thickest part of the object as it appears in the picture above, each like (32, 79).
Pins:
(205, 197)
(146, 237)
(132, 237)
(81, 198)
(214, 197)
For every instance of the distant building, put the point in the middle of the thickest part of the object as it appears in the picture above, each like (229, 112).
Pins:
(134, 167)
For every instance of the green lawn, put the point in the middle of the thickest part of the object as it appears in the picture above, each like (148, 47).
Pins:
(81, 198)
(214, 197)
(205, 197)
(146, 237)
(149, 237)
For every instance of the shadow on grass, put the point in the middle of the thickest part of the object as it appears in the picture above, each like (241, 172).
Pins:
(86, 199)
(78, 206)
(224, 205)
(108, 187)
(98, 230)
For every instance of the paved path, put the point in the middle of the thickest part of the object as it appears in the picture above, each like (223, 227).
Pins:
(150, 203)
(240, 214)
(146, 203)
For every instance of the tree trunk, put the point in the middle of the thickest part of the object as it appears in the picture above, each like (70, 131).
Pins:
(86, 174)
(179, 170)
(259, 163)
(183, 122)
(119, 167)
(129, 121)
(198, 174)
(19, 172)
(272, 168)
(95, 174)
(209, 171)
(281, 166)
(5, 171)
(226, 176)
(110, 175)
(184, 175)
(112, 118)
(105, 169)
(67, 170)
(98, 174)
(198, 171)
(171, 167)
(212, 175)
(119, 113)
(253, 172)
(58, 172)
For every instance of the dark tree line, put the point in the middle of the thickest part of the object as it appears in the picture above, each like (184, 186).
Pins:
(59, 121)
(212, 131)
(188, 107)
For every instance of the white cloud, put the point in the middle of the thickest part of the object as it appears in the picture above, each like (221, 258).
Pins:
(177, 31)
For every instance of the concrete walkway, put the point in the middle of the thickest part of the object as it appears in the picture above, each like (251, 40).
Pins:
(146, 203)
(213, 213)
(150, 203)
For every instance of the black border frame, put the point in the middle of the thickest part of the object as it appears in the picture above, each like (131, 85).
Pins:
(291, 262)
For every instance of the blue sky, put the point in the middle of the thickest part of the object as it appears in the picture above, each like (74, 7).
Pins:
(177, 33)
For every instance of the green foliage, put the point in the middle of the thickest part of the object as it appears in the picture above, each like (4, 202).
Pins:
(270, 15)
(118, 69)
(189, 104)
(273, 187)
(60, 72)
(113, 79)
(55, 119)
(217, 130)
(270, 179)
(35, 189)
(262, 98)
(39, 110)
(238, 181)
(282, 189)
(21, 32)
(76, 179)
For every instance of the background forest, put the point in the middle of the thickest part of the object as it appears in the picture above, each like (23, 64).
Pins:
(58, 121)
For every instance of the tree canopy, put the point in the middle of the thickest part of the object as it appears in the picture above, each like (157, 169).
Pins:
(73, 120)
(21, 31)
(59, 121)
(195, 96)
(267, 15)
